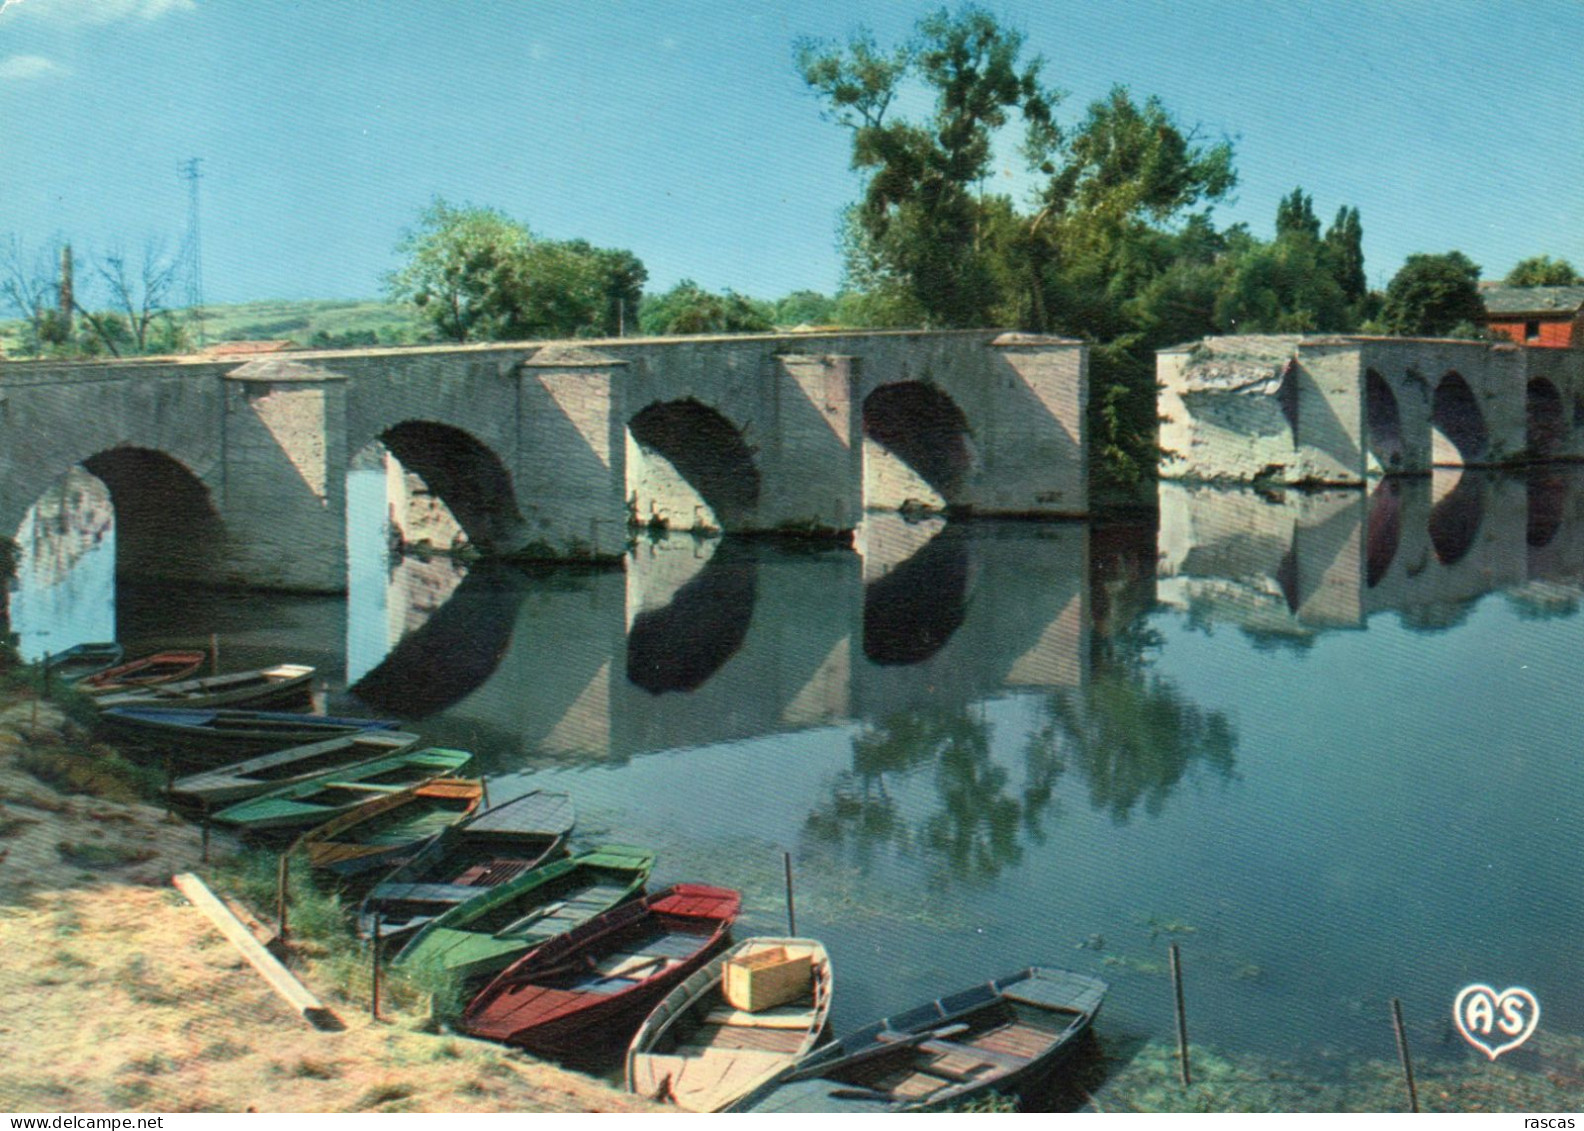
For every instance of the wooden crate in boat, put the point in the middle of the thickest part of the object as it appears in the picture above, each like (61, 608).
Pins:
(766, 979)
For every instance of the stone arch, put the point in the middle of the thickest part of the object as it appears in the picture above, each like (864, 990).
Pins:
(1545, 419)
(1383, 418)
(166, 524)
(464, 474)
(1456, 417)
(687, 450)
(920, 426)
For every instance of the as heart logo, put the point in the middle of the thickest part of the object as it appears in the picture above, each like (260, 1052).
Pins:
(1495, 1022)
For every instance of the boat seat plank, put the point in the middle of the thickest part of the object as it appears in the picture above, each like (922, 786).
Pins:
(742, 1037)
(424, 893)
(625, 965)
(975, 1052)
(782, 1018)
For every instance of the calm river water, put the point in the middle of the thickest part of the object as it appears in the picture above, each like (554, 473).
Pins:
(1329, 744)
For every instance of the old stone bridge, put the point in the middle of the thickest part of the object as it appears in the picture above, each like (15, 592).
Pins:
(234, 469)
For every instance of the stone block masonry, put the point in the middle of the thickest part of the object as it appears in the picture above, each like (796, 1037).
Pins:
(1339, 410)
(548, 450)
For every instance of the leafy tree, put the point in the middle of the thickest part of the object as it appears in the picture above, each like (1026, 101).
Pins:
(805, 308)
(918, 222)
(1295, 216)
(1432, 295)
(476, 274)
(689, 309)
(1115, 217)
(1343, 255)
(1543, 271)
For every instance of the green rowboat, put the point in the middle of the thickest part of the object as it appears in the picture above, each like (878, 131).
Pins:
(320, 799)
(486, 934)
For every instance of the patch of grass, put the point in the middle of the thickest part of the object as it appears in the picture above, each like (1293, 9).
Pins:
(223, 1050)
(446, 1050)
(38, 801)
(144, 986)
(310, 1069)
(11, 825)
(381, 1094)
(101, 855)
(130, 1093)
(154, 1064)
(97, 772)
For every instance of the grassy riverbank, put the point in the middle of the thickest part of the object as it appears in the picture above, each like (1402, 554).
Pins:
(124, 997)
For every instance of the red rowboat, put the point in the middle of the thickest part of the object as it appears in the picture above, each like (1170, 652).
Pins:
(585, 992)
(161, 667)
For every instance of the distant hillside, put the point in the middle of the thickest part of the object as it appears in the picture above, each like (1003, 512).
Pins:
(316, 322)
(331, 322)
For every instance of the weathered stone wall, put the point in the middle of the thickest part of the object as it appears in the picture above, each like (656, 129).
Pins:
(536, 434)
(1288, 409)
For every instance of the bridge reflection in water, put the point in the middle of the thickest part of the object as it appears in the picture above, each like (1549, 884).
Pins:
(1284, 566)
(711, 640)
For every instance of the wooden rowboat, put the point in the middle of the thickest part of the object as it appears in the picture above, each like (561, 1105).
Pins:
(1002, 1035)
(702, 1054)
(295, 764)
(231, 690)
(386, 831)
(467, 859)
(83, 660)
(161, 667)
(327, 796)
(591, 987)
(483, 936)
(212, 728)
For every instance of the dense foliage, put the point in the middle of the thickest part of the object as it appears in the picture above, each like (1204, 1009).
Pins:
(475, 274)
(1114, 243)
(689, 309)
(1543, 271)
(1435, 296)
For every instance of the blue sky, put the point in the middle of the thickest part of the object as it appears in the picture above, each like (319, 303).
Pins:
(679, 130)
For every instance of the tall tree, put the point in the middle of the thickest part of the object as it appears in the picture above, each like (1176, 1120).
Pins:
(1543, 271)
(1295, 216)
(1433, 296)
(1343, 254)
(919, 221)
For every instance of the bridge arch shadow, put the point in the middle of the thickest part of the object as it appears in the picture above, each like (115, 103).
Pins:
(1455, 414)
(1383, 418)
(711, 456)
(166, 524)
(911, 612)
(1545, 419)
(465, 475)
(925, 429)
(681, 645)
(451, 654)
(1456, 519)
(1383, 530)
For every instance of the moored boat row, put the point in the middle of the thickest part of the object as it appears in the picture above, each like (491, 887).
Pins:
(565, 952)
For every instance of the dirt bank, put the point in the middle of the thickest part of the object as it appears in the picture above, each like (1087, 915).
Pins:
(121, 996)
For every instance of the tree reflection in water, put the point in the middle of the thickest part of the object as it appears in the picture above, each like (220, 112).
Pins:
(976, 820)
(1129, 734)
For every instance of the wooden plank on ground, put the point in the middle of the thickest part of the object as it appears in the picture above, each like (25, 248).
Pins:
(281, 980)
